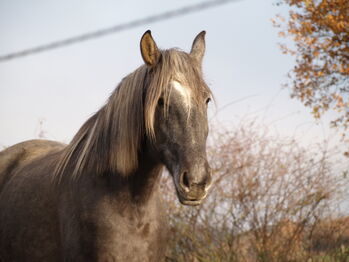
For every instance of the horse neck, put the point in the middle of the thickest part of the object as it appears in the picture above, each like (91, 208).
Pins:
(143, 184)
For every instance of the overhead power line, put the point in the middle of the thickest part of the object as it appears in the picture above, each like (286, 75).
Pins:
(115, 29)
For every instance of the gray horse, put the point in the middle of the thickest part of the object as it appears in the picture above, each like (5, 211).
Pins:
(98, 198)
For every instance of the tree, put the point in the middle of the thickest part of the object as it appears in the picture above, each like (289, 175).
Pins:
(320, 78)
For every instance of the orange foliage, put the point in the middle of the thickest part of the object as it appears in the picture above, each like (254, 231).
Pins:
(320, 79)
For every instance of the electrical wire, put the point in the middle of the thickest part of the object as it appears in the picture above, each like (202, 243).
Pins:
(115, 29)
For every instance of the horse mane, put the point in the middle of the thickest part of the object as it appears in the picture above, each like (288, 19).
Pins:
(110, 140)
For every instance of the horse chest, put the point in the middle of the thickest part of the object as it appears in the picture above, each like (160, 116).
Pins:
(128, 234)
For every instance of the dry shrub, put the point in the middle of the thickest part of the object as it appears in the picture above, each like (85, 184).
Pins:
(330, 235)
(268, 195)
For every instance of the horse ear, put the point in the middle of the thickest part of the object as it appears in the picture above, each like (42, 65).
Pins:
(198, 47)
(149, 50)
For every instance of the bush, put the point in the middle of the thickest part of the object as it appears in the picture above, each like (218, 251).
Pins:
(266, 204)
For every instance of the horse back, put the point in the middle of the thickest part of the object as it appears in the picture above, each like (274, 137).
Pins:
(29, 230)
(15, 157)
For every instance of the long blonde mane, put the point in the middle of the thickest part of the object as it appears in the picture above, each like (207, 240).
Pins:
(110, 141)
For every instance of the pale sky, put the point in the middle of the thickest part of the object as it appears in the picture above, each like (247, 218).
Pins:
(65, 86)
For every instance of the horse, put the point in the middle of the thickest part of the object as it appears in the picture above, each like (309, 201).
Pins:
(98, 198)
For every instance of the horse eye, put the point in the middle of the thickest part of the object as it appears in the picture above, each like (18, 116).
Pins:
(208, 100)
(161, 101)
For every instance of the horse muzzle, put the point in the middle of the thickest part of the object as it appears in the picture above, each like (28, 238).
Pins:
(192, 188)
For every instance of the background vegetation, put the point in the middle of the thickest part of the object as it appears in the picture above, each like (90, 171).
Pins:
(272, 200)
(320, 33)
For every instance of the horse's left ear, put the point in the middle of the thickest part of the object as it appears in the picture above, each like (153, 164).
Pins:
(198, 47)
(149, 50)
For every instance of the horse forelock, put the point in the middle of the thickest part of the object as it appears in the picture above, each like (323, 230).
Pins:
(110, 140)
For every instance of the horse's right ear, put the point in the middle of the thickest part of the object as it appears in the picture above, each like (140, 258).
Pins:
(149, 50)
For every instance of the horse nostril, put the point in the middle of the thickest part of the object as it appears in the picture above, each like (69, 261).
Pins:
(185, 181)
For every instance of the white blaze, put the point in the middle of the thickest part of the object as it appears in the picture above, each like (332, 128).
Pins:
(184, 92)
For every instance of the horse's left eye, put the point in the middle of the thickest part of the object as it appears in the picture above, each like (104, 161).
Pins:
(208, 100)
(161, 101)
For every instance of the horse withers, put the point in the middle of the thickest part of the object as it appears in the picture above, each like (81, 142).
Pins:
(98, 198)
